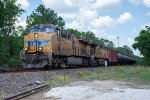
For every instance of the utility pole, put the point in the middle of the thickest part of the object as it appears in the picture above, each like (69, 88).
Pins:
(118, 41)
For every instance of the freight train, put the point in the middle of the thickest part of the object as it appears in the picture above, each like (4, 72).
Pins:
(49, 45)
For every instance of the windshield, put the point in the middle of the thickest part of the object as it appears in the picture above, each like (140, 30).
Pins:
(43, 29)
(35, 30)
(47, 29)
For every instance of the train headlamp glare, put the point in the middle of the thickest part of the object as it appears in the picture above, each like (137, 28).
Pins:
(40, 48)
(36, 35)
(25, 49)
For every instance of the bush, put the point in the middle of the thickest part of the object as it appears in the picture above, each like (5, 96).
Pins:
(144, 62)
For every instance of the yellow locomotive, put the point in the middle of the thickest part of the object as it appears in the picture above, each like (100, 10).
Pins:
(48, 45)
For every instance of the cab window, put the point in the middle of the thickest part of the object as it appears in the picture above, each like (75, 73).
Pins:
(58, 32)
(43, 29)
(35, 30)
(47, 29)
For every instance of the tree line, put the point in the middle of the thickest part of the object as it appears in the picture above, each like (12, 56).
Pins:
(11, 36)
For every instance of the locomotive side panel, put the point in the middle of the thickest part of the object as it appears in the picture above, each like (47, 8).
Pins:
(84, 49)
(77, 47)
(97, 52)
(65, 47)
(103, 52)
(55, 44)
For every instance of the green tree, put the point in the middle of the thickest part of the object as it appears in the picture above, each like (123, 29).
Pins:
(110, 44)
(142, 43)
(1, 14)
(107, 43)
(43, 15)
(10, 12)
(75, 32)
(125, 50)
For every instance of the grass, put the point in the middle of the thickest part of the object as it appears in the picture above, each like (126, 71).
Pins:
(140, 75)
(58, 80)
(136, 74)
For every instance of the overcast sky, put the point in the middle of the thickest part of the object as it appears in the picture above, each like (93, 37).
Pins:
(108, 19)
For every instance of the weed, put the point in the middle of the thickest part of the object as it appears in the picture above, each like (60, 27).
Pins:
(126, 73)
(57, 80)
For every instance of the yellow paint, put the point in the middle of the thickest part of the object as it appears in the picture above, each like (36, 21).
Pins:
(63, 46)
(41, 36)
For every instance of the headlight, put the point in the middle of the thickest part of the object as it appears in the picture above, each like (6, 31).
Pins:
(40, 48)
(25, 49)
(36, 35)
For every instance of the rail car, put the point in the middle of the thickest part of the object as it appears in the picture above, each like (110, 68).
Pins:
(48, 45)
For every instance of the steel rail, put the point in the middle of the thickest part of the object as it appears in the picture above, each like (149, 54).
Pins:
(7, 70)
(25, 93)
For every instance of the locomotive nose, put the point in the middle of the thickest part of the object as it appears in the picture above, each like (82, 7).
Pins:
(37, 42)
(32, 43)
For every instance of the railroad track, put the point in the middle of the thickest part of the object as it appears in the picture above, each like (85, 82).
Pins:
(25, 93)
(24, 81)
(13, 70)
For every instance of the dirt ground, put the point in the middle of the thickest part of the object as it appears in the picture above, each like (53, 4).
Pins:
(95, 90)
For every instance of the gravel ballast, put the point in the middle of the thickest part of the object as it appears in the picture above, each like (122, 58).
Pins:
(12, 83)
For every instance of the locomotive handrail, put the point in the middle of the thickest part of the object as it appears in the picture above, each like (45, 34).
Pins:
(21, 52)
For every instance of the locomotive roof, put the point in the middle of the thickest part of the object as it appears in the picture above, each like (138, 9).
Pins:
(48, 25)
(81, 38)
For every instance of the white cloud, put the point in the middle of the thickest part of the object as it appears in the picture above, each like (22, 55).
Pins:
(88, 13)
(103, 21)
(130, 41)
(148, 14)
(75, 5)
(24, 3)
(73, 25)
(135, 2)
(68, 15)
(107, 21)
(125, 17)
(146, 3)
(83, 17)
(106, 4)
(62, 6)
